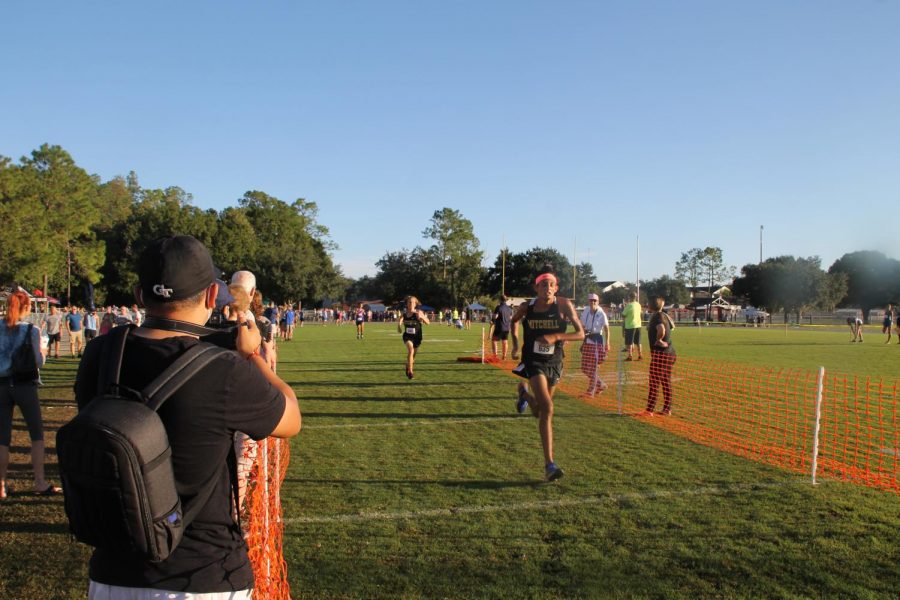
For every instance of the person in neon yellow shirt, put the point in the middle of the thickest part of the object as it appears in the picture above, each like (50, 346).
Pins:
(631, 322)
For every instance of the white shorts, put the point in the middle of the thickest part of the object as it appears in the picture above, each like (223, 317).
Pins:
(102, 591)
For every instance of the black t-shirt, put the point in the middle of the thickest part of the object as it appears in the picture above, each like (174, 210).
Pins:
(502, 316)
(230, 394)
(666, 321)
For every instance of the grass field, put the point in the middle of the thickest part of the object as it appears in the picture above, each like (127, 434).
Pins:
(432, 488)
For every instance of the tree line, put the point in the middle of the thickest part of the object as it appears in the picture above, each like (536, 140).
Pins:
(80, 233)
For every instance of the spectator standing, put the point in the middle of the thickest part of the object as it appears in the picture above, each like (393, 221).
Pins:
(91, 325)
(124, 317)
(289, 316)
(662, 357)
(247, 281)
(53, 323)
(897, 324)
(108, 321)
(631, 322)
(266, 330)
(20, 390)
(888, 322)
(235, 392)
(500, 321)
(137, 317)
(75, 329)
(596, 343)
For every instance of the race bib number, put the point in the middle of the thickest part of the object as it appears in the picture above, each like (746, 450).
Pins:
(540, 348)
(411, 330)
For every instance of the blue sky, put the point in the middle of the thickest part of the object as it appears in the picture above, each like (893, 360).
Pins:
(573, 125)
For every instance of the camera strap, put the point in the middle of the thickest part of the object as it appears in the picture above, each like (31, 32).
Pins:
(178, 326)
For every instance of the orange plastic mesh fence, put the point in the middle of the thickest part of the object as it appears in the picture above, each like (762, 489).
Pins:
(760, 413)
(261, 515)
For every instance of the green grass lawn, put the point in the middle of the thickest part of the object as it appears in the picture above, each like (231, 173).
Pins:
(431, 488)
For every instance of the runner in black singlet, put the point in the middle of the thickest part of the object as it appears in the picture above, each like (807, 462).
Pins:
(545, 320)
(410, 326)
(360, 321)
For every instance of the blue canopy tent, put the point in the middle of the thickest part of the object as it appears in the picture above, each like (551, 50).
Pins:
(477, 312)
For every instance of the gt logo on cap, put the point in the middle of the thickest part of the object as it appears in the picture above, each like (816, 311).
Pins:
(161, 290)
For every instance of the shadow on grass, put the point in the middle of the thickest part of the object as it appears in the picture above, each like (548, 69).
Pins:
(401, 381)
(474, 484)
(409, 416)
(25, 527)
(452, 416)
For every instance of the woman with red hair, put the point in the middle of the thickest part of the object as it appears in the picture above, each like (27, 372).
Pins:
(20, 389)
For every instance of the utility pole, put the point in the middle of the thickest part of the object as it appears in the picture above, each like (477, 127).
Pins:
(574, 266)
(760, 243)
(637, 270)
(503, 268)
(68, 274)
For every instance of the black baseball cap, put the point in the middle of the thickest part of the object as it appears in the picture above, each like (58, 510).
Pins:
(174, 268)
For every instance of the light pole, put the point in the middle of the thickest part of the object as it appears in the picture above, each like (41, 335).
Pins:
(760, 243)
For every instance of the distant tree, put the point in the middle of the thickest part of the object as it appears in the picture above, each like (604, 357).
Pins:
(49, 210)
(585, 283)
(673, 290)
(834, 291)
(156, 213)
(703, 265)
(873, 279)
(689, 268)
(114, 205)
(21, 239)
(783, 283)
(405, 272)
(616, 295)
(751, 285)
(522, 268)
(289, 262)
(455, 256)
(364, 288)
(236, 242)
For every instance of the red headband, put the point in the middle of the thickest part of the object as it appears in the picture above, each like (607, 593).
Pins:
(540, 278)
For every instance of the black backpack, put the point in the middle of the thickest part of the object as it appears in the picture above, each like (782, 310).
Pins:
(116, 464)
(23, 365)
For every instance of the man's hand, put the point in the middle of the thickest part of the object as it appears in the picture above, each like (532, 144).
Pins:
(248, 338)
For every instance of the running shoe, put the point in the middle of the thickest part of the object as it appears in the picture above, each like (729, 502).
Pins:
(522, 400)
(553, 472)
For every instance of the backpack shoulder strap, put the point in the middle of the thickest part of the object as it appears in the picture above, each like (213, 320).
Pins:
(170, 381)
(111, 358)
(179, 372)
